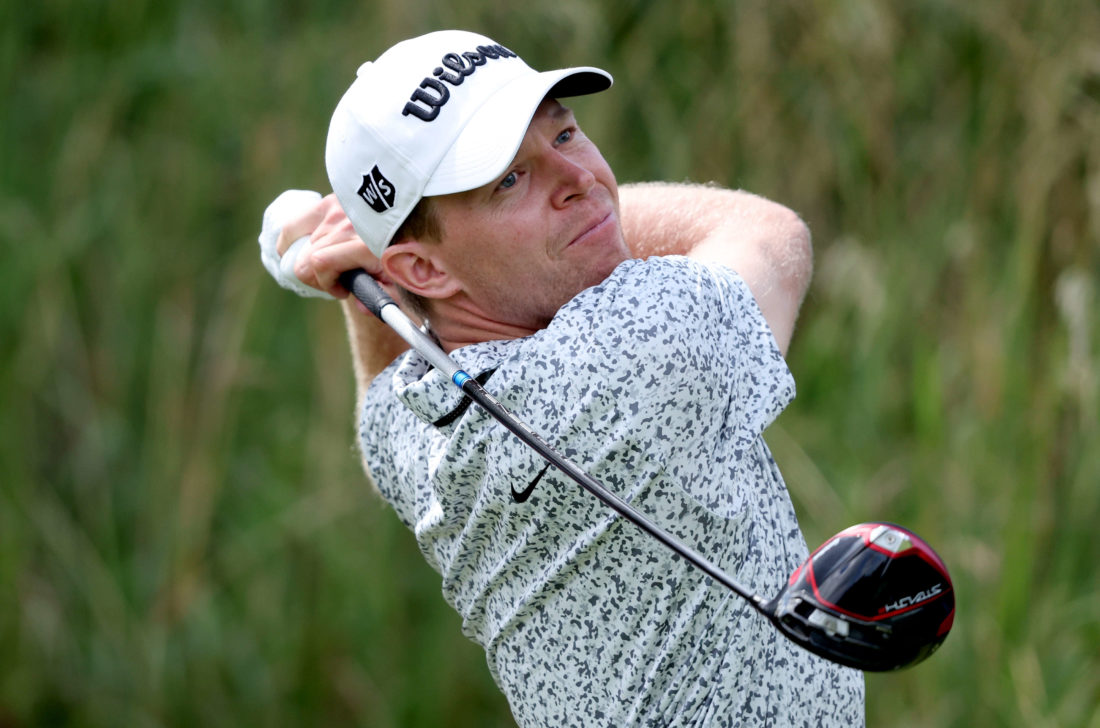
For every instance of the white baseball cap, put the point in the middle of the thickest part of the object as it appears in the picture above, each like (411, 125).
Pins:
(441, 113)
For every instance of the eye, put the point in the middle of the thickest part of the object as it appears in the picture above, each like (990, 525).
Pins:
(509, 181)
(564, 136)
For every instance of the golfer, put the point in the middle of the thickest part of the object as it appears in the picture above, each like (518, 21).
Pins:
(641, 330)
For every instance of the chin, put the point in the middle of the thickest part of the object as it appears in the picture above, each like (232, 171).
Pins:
(604, 268)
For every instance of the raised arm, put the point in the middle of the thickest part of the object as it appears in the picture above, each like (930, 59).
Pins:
(767, 244)
(334, 248)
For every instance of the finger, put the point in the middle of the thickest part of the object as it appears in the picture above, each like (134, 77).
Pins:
(321, 265)
(333, 211)
(334, 223)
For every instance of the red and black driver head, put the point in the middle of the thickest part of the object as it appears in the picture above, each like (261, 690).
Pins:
(875, 597)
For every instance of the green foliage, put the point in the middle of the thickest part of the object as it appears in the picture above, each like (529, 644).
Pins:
(185, 535)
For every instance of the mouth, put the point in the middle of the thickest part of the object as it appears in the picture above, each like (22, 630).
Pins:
(595, 229)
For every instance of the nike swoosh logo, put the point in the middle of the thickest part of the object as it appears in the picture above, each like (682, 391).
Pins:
(521, 497)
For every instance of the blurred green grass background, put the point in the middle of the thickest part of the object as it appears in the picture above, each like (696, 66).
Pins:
(185, 536)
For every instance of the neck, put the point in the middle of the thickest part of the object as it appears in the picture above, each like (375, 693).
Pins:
(456, 323)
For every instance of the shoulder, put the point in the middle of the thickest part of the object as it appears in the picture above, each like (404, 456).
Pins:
(658, 317)
(668, 291)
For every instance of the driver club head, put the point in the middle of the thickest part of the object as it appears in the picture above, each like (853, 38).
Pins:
(875, 597)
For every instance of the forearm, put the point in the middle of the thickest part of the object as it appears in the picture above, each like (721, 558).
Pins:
(766, 243)
(373, 346)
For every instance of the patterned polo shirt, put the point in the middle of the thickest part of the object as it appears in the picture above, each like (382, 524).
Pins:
(659, 382)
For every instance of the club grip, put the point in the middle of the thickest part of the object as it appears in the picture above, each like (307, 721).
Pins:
(366, 289)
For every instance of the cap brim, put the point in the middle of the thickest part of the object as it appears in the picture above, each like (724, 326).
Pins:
(492, 136)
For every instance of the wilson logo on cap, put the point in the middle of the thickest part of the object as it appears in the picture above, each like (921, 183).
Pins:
(456, 67)
(377, 191)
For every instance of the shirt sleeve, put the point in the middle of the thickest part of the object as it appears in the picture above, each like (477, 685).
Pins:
(676, 357)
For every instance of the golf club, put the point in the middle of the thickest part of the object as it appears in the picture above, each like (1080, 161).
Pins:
(874, 597)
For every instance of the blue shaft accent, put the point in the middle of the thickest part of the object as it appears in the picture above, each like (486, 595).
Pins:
(460, 377)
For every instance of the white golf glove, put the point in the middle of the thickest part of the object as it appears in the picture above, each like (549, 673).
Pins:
(288, 205)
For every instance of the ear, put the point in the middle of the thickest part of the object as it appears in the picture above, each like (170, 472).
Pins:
(411, 265)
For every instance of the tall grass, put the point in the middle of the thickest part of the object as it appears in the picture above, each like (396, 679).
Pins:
(185, 537)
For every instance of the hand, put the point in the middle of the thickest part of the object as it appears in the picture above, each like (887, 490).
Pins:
(307, 242)
(328, 246)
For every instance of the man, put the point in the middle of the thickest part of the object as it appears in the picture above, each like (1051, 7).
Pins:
(640, 330)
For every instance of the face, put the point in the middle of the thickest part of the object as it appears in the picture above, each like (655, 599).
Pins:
(525, 244)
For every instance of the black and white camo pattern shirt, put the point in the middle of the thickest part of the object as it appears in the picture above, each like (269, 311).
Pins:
(659, 382)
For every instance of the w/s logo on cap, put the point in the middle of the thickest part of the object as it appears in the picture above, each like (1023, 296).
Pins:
(377, 191)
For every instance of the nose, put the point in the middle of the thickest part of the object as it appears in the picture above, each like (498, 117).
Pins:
(574, 180)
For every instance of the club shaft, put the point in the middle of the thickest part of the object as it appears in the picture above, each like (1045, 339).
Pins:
(367, 290)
